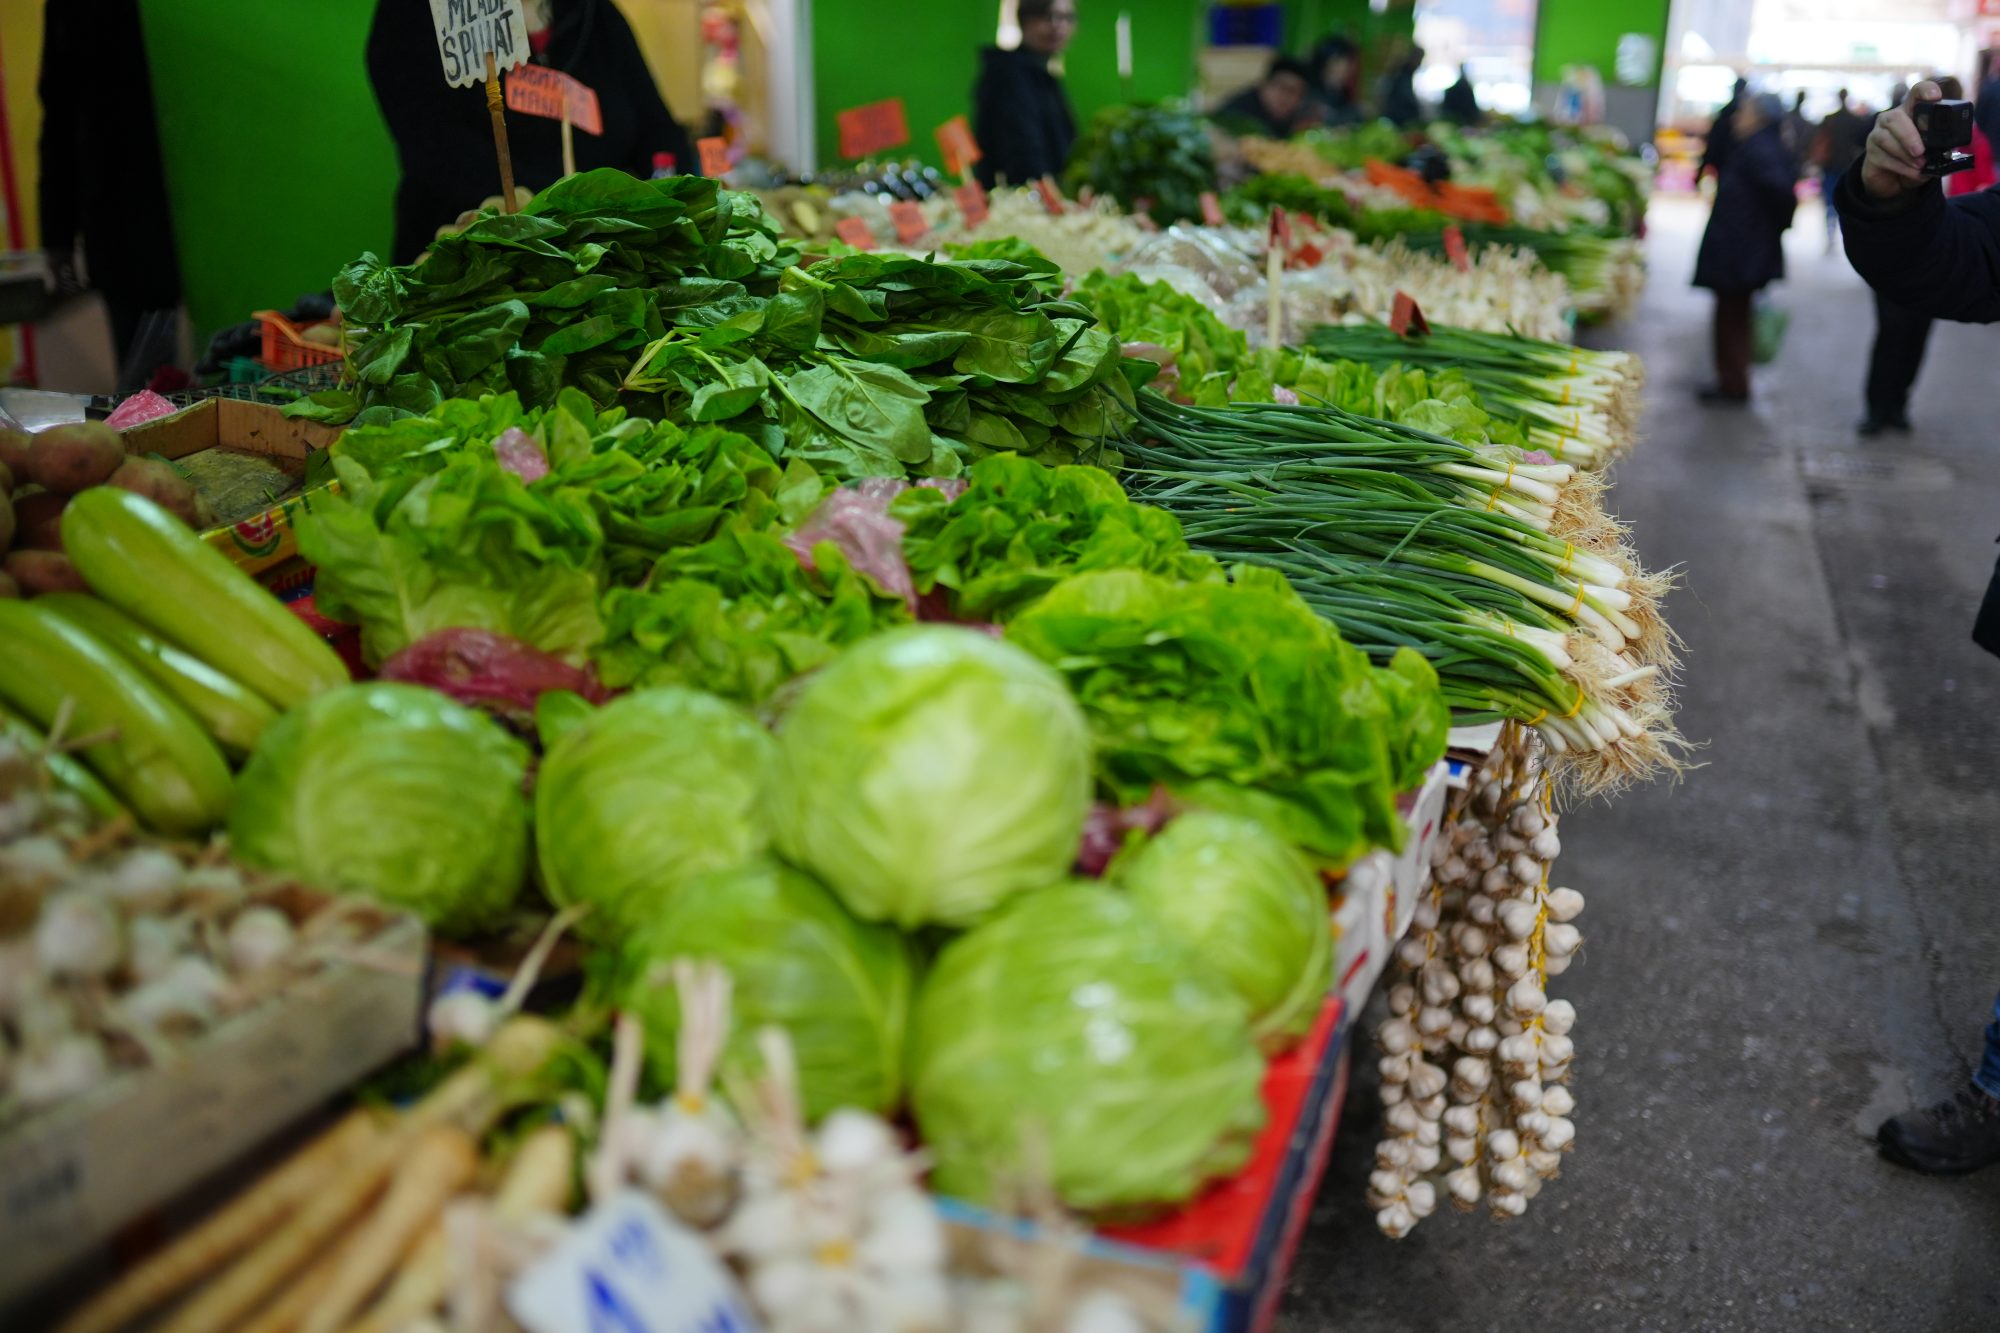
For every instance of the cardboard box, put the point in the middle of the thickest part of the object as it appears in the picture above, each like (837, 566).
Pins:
(265, 539)
(74, 1174)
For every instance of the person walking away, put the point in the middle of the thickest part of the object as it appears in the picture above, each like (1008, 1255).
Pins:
(1938, 257)
(1400, 105)
(1020, 115)
(444, 135)
(1276, 106)
(102, 186)
(1835, 148)
(1334, 63)
(1798, 130)
(1902, 335)
(1461, 100)
(1722, 133)
(1743, 249)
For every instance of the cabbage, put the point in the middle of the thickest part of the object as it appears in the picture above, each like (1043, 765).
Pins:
(930, 773)
(394, 791)
(1253, 906)
(1075, 1017)
(644, 794)
(840, 988)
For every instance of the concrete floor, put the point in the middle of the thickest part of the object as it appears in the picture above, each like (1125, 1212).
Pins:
(1803, 936)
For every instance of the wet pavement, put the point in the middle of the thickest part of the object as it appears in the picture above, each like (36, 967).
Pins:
(1802, 937)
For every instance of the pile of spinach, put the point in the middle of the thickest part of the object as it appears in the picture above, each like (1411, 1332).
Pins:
(562, 293)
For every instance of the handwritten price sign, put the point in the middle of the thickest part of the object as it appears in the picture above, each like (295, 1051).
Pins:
(469, 31)
(960, 149)
(875, 128)
(535, 90)
(714, 156)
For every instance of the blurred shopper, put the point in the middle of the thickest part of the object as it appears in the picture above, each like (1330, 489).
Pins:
(1335, 64)
(1020, 115)
(1461, 100)
(1277, 106)
(1722, 132)
(1400, 104)
(1937, 258)
(1743, 249)
(103, 190)
(444, 135)
(1798, 130)
(1835, 148)
(1902, 334)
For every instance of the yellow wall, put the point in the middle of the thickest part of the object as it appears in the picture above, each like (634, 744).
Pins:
(20, 61)
(669, 32)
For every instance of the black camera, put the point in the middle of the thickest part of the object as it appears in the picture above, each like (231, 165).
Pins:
(1946, 127)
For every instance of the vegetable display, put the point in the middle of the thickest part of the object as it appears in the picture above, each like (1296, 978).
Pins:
(1153, 159)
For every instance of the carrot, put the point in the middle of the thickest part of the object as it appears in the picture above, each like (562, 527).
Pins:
(441, 1164)
(537, 1181)
(212, 1244)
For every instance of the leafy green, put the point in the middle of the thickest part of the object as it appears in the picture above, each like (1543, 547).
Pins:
(1153, 158)
(1137, 311)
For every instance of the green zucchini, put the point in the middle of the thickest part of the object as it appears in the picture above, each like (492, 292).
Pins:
(147, 748)
(233, 714)
(69, 775)
(150, 565)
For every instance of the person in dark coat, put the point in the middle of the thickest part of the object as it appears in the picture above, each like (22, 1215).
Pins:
(1939, 258)
(102, 184)
(1743, 249)
(444, 135)
(1722, 132)
(1334, 63)
(1400, 104)
(1020, 115)
(1276, 106)
(1461, 100)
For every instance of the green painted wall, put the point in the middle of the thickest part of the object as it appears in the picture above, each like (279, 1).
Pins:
(1586, 32)
(279, 169)
(1165, 37)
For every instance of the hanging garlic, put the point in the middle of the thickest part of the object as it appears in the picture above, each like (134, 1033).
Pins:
(1564, 904)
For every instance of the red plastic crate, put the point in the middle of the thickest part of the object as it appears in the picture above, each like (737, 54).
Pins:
(284, 349)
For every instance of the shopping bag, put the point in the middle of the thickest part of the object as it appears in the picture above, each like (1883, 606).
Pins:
(1767, 332)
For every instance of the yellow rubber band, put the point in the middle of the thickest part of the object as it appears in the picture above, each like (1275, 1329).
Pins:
(1576, 605)
(1537, 718)
(1565, 397)
(1576, 707)
(1569, 557)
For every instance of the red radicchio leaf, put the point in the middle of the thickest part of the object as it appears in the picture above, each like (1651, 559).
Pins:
(1107, 827)
(856, 520)
(521, 454)
(491, 671)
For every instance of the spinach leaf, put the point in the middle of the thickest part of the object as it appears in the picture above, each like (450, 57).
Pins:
(876, 406)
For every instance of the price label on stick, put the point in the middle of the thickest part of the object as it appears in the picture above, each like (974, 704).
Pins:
(1454, 248)
(1211, 209)
(1051, 196)
(1307, 256)
(874, 128)
(1405, 319)
(909, 220)
(469, 31)
(628, 1267)
(1281, 230)
(960, 149)
(535, 90)
(971, 198)
(855, 232)
(714, 156)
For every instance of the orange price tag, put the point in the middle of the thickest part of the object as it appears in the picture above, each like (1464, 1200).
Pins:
(536, 90)
(867, 130)
(1051, 197)
(971, 198)
(1307, 256)
(1211, 209)
(960, 149)
(855, 232)
(909, 220)
(714, 156)
(1454, 248)
(1406, 319)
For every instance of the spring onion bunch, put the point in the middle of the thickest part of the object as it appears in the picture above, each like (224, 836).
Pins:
(1578, 405)
(1605, 271)
(1505, 574)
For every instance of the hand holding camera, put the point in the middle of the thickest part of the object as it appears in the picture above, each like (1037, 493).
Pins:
(1917, 142)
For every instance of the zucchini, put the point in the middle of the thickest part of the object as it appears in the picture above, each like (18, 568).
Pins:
(150, 565)
(148, 750)
(233, 715)
(69, 775)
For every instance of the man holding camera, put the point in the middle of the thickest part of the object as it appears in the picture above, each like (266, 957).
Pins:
(1942, 259)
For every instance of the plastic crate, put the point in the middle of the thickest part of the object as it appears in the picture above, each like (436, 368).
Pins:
(284, 349)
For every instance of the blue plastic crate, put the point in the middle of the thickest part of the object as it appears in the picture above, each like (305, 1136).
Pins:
(1246, 25)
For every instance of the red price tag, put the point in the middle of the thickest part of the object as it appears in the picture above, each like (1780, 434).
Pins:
(855, 232)
(714, 156)
(1406, 319)
(960, 149)
(1211, 209)
(1454, 248)
(1307, 256)
(971, 198)
(536, 90)
(909, 220)
(1051, 197)
(1281, 229)
(871, 129)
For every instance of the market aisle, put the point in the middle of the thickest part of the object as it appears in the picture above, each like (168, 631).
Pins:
(1803, 935)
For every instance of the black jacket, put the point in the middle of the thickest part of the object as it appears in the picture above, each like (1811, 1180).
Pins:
(1721, 138)
(1743, 248)
(1020, 117)
(444, 136)
(1245, 113)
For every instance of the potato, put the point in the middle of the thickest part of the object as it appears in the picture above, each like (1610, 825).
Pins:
(38, 520)
(6, 521)
(73, 457)
(14, 452)
(9, 588)
(161, 484)
(38, 572)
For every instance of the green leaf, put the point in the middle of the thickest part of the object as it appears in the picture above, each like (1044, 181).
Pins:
(377, 360)
(878, 406)
(906, 350)
(475, 341)
(332, 406)
(792, 319)
(740, 385)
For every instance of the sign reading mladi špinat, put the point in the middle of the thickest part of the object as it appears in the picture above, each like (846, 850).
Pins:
(470, 30)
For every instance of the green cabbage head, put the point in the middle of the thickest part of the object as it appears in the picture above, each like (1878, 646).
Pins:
(643, 795)
(1250, 902)
(929, 774)
(394, 791)
(1076, 1018)
(840, 987)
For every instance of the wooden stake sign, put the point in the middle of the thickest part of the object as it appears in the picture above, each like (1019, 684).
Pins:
(714, 156)
(536, 90)
(874, 128)
(971, 198)
(1406, 318)
(1454, 248)
(855, 232)
(478, 37)
(960, 149)
(909, 220)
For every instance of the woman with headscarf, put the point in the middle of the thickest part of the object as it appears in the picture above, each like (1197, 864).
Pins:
(1743, 249)
(1020, 116)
